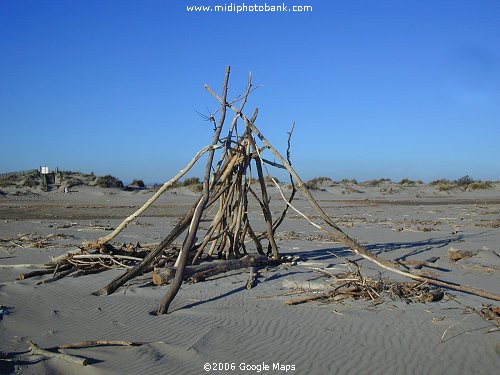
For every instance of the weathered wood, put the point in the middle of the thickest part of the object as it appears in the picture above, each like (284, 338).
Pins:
(305, 285)
(139, 269)
(292, 183)
(234, 264)
(165, 274)
(64, 257)
(215, 222)
(252, 277)
(265, 204)
(256, 240)
(324, 295)
(151, 200)
(105, 256)
(239, 209)
(162, 276)
(35, 349)
(58, 276)
(183, 255)
(201, 271)
(87, 344)
(28, 275)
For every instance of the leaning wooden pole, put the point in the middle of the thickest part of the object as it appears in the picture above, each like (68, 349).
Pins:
(151, 200)
(186, 248)
(151, 257)
(265, 201)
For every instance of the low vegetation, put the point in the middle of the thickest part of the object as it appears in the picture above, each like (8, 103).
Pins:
(193, 183)
(407, 182)
(108, 181)
(137, 184)
(464, 183)
(352, 181)
(8, 179)
(30, 182)
(446, 187)
(27, 179)
(480, 185)
(317, 182)
(33, 179)
(374, 183)
(442, 181)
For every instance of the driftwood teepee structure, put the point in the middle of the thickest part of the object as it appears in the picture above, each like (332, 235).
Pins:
(227, 186)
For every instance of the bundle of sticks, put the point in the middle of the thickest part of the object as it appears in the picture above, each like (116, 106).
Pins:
(227, 187)
(354, 285)
(85, 261)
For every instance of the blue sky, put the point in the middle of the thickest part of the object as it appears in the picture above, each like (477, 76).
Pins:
(376, 88)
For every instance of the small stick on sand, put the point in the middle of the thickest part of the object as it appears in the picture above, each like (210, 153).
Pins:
(453, 325)
(35, 349)
(325, 295)
(86, 344)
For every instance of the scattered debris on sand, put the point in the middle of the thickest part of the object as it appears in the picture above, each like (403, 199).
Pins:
(36, 241)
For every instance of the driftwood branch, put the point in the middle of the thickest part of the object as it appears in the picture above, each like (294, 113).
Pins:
(202, 271)
(139, 269)
(252, 277)
(47, 271)
(234, 264)
(160, 191)
(87, 344)
(324, 295)
(35, 349)
(58, 276)
(183, 255)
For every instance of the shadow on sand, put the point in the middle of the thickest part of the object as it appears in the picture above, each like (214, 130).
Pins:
(416, 247)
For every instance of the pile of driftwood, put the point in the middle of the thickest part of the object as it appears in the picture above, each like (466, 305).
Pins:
(84, 262)
(234, 161)
(353, 285)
